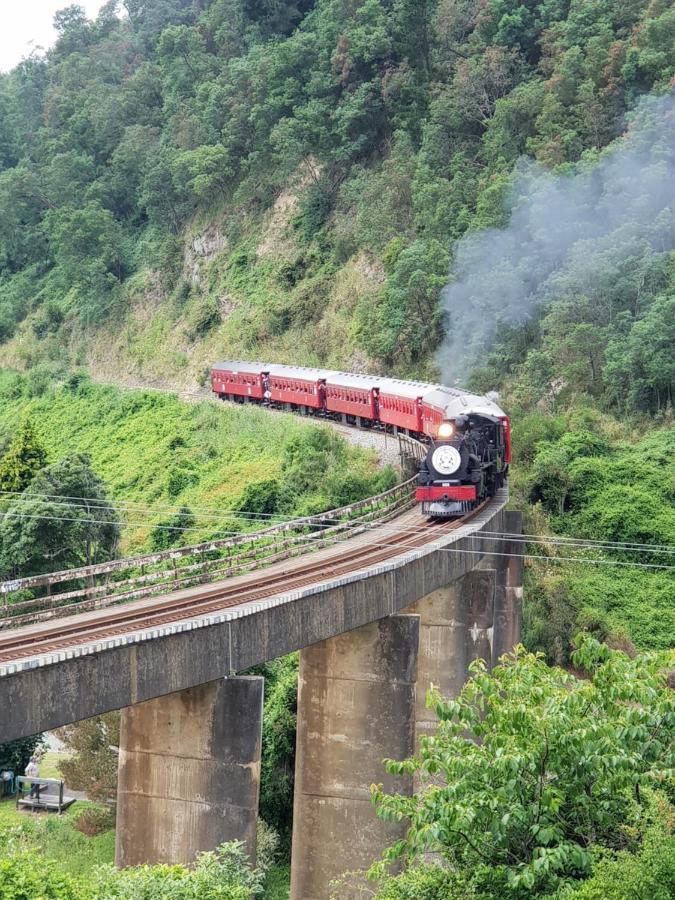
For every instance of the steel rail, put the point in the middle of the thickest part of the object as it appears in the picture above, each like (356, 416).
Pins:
(15, 645)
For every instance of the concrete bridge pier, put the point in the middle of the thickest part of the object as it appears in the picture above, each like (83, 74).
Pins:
(356, 706)
(456, 627)
(189, 772)
(508, 563)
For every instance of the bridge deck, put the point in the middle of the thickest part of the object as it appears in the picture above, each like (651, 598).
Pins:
(351, 554)
(57, 672)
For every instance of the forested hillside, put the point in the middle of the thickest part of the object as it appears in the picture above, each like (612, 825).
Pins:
(478, 190)
(291, 178)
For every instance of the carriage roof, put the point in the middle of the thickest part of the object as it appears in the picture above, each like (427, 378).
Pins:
(347, 379)
(410, 390)
(455, 402)
(241, 365)
(307, 373)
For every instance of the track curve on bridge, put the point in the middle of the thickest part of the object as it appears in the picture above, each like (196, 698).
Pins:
(384, 542)
(60, 671)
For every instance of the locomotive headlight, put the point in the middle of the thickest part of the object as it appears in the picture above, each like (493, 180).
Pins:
(446, 430)
(446, 460)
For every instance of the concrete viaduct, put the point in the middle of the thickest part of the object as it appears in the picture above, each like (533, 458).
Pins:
(372, 641)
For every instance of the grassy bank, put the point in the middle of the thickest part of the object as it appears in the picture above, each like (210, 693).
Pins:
(161, 454)
(54, 838)
(63, 850)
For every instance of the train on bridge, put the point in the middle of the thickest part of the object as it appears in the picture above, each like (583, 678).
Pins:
(468, 435)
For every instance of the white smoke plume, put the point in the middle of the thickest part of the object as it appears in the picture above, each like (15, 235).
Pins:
(565, 233)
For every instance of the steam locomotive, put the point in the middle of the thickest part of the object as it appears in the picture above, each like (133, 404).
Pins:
(468, 436)
(465, 464)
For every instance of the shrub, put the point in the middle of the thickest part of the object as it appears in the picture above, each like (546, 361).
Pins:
(203, 316)
(179, 479)
(47, 320)
(266, 846)
(260, 497)
(425, 883)
(224, 874)
(646, 875)
(23, 877)
(169, 532)
(93, 820)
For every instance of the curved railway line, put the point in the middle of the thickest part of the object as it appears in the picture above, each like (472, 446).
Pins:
(412, 531)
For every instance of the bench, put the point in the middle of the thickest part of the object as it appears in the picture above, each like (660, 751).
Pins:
(41, 793)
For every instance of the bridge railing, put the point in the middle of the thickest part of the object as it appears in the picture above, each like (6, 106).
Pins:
(42, 597)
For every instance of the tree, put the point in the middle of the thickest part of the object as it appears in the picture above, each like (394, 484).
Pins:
(92, 768)
(170, 532)
(640, 367)
(408, 322)
(14, 755)
(204, 172)
(531, 768)
(24, 459)
(61, 521)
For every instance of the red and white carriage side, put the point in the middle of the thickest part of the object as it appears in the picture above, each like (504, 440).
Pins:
(298, 385)
(237, 378)
(353, 395)
(415, 406)
(400, 403)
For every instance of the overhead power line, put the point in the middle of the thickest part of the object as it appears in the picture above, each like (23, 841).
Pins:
(227, 516)
(403, 544)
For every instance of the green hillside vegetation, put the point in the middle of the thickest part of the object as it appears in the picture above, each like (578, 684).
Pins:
(289, 179)
(471, 189)
(175, 459)
(293, 180)
(584, 476)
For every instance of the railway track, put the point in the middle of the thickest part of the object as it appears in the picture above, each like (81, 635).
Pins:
(412, 531)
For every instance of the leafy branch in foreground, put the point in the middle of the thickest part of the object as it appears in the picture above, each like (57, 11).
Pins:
(532, 768)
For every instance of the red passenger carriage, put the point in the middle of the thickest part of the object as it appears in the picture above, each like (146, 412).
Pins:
(298, 385)
(468, 436)
(236, 378)
(400, 403)
(353, 395)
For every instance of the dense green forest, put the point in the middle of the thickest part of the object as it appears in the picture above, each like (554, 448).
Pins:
(466, 189)
(291, 178)
(469, 190)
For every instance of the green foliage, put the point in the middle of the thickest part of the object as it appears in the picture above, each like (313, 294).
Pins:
(278, 748)
(72, 853)
(408, 321)
(21, 878)
(646, 875)
(91, 766)
(14, 755)
(155, 450)
(24, 458)
(260, 498)
(620, 494)
(425, 882)
(531, 768)
(640, 366)
(224, 874)
(203, 316)
(169, 532)
(62, 520)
